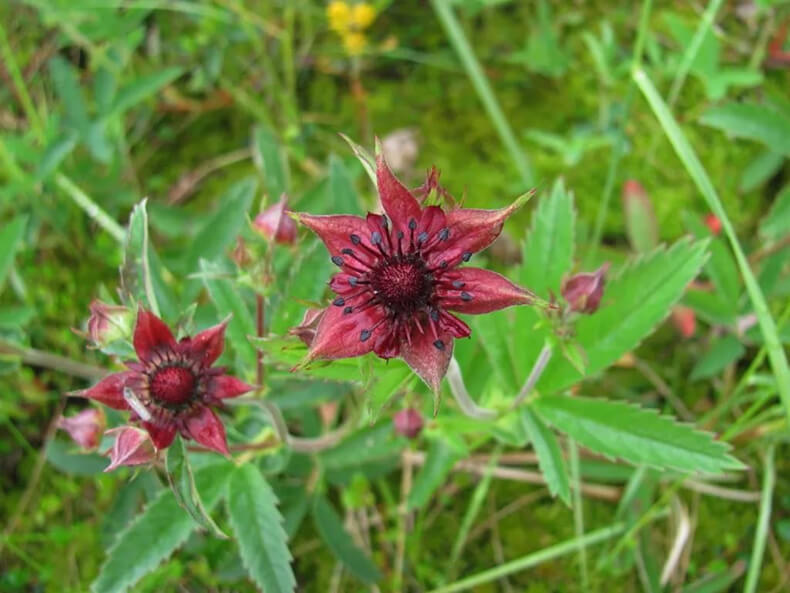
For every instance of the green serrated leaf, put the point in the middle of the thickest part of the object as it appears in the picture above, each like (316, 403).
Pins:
(182, 484)
(142, 88)
(548, 251)
(65, 80)
(624, 431)
(136, 278)
(156, 533)
(270, 160)
(10, 239)
(752, 121)
(723, 352)
(258, 525)
(550, 459)
(776, 223)
(330, 528)
(634, 303)
(54, 153)
(760, 170)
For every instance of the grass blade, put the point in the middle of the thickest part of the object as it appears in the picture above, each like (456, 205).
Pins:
(763, 523)
(689, 158)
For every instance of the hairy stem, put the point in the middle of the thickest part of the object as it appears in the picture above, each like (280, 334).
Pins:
(461, 395)
(534, 375)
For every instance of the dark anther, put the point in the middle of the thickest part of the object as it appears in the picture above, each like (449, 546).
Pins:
(347, 251)
(355, 239)
(364, 335)
(347, 310)
(421, 237)
(443, 264)
(375, 237)
(339, 302)
(467, 255)
(458, 284)
(400, 234)
(337, 260)
(352, 280)
(444, 233)
(385, 221)
(465, 296)
(412, 224)
(439, 345)
(435, 314)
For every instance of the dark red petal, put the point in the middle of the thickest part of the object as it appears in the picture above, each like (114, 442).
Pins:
(343, 284)
(225, 387)
(132, 447)
(162, 436)
(151, 334)
(340, 335)
(387, 344)
(481, 291)
(471, 231)
(336, 231)
(206, 346)
(397, 201)
(207, 429)
(455, 326)
(109, 390)
(428, 356)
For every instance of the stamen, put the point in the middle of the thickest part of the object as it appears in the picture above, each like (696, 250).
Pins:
(412, 224)
(439, 345)
(467, 255)
(337, 260)
(375, 237)
(347, 310)
(465, 296)
(444, 234)
(364, 335)
(457, 284)
(355, 239)
(422, 237)
(340, 301)
(435, 314)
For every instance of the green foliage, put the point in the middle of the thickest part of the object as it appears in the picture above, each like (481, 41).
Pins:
(10, 240)
(547, 448)
(753, 121)
(621, 430)
(258, 526)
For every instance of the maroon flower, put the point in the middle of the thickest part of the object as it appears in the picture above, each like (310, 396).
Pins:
(173, 386)
(132, 446)
(583, 292)
(106, 323)
(399, 279)
(408, 423)
(275, 224)
(85, 427)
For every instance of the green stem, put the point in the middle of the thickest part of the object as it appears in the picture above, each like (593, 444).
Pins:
(534, 559)
(688, 157)
(475, 72)
(763, 523)
(91, 208)
(578, 509)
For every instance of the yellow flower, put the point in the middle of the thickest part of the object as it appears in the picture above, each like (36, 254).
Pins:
(362, 15)
(354, 43)
(339, 15)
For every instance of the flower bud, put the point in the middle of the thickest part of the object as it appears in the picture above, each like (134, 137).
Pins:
(408, 423)
(132, 446)
(684, 320)
(275, 224)
(108, 323)
(583, 292)
(84, 428)
(713, 223)
(305, 331)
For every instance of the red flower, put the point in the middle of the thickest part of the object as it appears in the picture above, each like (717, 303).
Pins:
(275, 224)
(85, 427)
(173, 386)
(583, 292)
(399, 279)
(132, 447)
(408, 423)
(713, 223)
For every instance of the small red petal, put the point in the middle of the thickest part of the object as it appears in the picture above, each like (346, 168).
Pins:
(481, 291)
(398, 202)
(162, 436)
(343, 335)
(85, 427)
(428, 356)
(275, 224)
(132, 447)
(109, 390)
(151, 334)
(225, 387)
(455, 326)
(207, 429)
(206, 346)
(336, 231)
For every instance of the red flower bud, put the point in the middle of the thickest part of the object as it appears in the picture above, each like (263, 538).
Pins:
(132, 446)
(275, 224)
(713, 223)
(684, 320)
(408, 423)
(85, 427)
(583, 292)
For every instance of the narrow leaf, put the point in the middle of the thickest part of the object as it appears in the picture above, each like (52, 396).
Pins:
(440, 460)
(258, 526)
(342, 196)
(723, 352)
(142, 88)
(550, 459)
(331, 530)
(182, 483)
(10, 239)
(270, 160)
(752, 121)
(640, 436)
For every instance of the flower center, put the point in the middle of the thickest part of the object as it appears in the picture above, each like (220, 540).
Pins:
(403, 285)
(173, 385)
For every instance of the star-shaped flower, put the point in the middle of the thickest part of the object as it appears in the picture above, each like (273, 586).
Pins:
(173, 386)
(400, 282)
